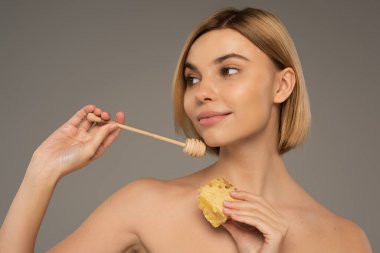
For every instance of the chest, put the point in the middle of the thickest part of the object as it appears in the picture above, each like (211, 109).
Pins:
(182, 228)
(179, 226)
(188, 231)
(189, 239)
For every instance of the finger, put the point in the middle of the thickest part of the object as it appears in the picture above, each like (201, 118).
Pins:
(104, 145)
(95, 126)
(111, 137)
(99, 137)
(120, 118)
(279, 226)
(261, 225)
(272, 234)
(231, 228)
(254, 213)
(247, 238)
(76, 119)
(256, 206)
(247, 196)
(87, 124)
(98, 111)
(105, 116)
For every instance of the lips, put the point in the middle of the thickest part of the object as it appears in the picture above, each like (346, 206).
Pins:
(209, 114)
(210, 118)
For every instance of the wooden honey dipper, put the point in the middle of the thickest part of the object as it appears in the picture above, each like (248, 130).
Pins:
(192, 147)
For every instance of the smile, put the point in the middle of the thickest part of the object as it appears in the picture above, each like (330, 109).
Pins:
(209, 121)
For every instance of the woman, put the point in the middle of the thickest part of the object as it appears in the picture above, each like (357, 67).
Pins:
(238, 86)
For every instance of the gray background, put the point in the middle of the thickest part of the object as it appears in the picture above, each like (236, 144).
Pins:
(57, 56)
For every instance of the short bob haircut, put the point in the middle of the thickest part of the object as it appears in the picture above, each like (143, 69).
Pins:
(268, 33)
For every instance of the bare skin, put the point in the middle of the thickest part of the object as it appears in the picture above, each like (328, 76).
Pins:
(272, 212)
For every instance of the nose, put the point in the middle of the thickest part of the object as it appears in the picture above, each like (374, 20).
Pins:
(206, 91)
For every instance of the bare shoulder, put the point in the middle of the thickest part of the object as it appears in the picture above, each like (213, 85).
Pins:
(324, 231)
(350, 236)
(145, 189)
(146, 185)
(115, 225)
(142, 194)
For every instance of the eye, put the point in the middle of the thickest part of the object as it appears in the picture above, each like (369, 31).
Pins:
(189, 80)
(229, 71)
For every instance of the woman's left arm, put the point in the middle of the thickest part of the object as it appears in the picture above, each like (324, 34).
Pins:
(265, 230)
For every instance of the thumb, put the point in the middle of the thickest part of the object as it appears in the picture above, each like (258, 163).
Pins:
(235, 229)
(99, 137)
(230, 227)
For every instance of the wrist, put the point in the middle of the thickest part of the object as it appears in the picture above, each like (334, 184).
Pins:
(37, 176)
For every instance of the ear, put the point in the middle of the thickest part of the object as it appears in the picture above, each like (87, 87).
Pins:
(285, 85)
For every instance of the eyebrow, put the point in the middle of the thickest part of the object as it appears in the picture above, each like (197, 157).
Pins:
(216, 61)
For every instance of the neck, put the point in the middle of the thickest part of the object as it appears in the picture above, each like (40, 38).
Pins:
(260, 173)
(254, 165)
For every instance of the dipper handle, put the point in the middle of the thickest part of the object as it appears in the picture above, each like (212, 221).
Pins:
(192, 147)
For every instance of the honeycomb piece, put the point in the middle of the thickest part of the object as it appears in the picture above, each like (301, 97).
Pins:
(211, 198)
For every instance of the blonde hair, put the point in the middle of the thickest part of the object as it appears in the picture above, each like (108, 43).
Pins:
(268, 33)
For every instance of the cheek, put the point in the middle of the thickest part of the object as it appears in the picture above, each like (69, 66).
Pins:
(254, 103)
(250, 95)
(187, 105)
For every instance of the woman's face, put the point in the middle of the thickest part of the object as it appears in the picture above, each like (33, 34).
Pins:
(227, 73)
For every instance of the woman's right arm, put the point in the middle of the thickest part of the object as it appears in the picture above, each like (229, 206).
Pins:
(19, 230)
(71, 147)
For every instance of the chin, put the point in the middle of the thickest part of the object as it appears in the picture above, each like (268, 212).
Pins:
(214, 141)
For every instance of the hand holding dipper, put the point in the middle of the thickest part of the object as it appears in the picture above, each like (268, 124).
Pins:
(192, 147)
